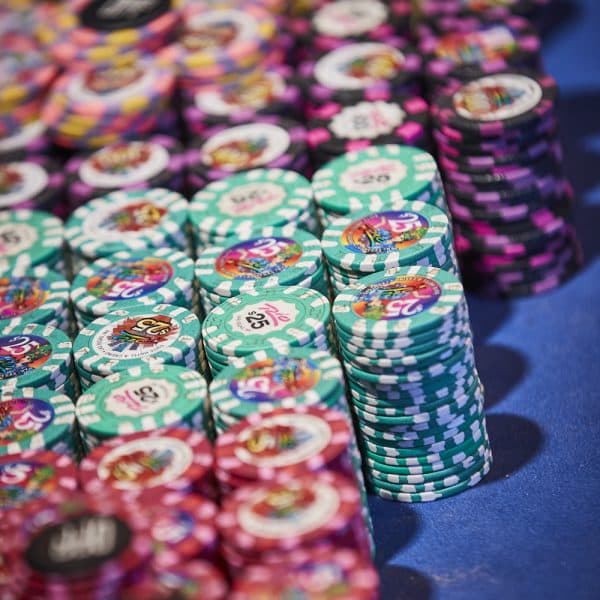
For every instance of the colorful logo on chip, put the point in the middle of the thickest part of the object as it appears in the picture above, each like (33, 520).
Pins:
(21, 295)
(11, 179)
(23, 418)
(172, 528)
(121, 158)
(256, 94)
(112, 79)
(285, 502)
(214, 35)
(150, 330)
(275, 379)
(384, 232)
(258, 258)
(397, 297)
(22, 353)
(22, 481)
(130, 279)
(490, 43)
(134, 217)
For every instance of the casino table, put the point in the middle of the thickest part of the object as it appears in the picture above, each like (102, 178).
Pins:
(531, 529)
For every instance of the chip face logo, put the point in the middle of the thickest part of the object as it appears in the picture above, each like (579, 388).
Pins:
(21, 295)
(22, 481)
(20, 182)
(134, 217)
(22, 418)
(20, 354)
(106, 81)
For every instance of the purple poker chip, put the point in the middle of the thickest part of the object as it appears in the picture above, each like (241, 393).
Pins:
(156, 161)
(268, 141)
(337, 129)
(29, 140)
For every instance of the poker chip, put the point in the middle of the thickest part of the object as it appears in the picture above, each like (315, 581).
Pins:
(38, 295)
(29, 239)
(336, 129)
(45, 567)
(262, 523)
(142, 398)
(268, 141)
(31, 475)
(360, 72)
(370, 179)
(80, 33)
(36, 356)
(30, 139)
(248, 201)
(280, 318)
(262, 261)
(324, 571)
(94, 108)
(127, 221)
(408, 233)
(269, 91)
(502, 164)
(145, 277)
(419, 401)
(193, 580)
(36, 419)
(150, 464)
(35, 183)
(136, 335)
(154, 162)
(478, 46)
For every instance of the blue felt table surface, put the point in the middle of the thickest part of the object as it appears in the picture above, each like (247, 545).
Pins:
(532, 528)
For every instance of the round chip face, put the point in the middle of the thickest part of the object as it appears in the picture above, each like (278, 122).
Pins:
(349, 18)
(103, 16)
(19, 182)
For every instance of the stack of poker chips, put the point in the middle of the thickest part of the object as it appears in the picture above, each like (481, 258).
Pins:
(498, 147)
(29, 239)
(157, 161)
(262, 523)
(40, 472)
(339, 23)
(143, 398)
(33, 182)
(405, 339)
(370, 179)
(136, 335)
(402, 234)
(342, 569)
(267, 141)
(102, 106)
(279, 317)
(268, 91)
(84, 33)
(335, 128)
(145, 466)
(35, 295)
(145, 277)
(361, 72)
(37, 419)
(247, 201)
(36, 356)
(127, 221)
(473, 46)
(274, 258)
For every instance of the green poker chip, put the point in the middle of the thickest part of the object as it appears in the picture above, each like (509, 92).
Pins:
(236, 267)
(281, 317)
(35, 419)
(370, 179)
(128, 221)
(37, 295)
(145, 277)
(137, 335)
(406, 234)
(33, 355)
(30, 238)
(266, 380)
(143, 398)
(246, 201)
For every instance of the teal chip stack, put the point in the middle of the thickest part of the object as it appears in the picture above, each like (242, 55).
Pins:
(249, 201)
(37, 419)
(405, 233)
(142, 398)
(278, 317)
(145, 277)
(30, 238)
(370, 179)
(406, 344)
(127, 221)
(134, 336)
(258, 262)
(36, 356)
(36, 295)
